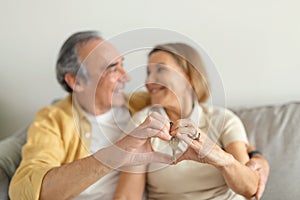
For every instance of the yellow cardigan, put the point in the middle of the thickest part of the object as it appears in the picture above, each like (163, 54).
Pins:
(56, 137)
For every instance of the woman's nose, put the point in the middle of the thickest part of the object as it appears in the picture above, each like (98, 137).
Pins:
(151, 78)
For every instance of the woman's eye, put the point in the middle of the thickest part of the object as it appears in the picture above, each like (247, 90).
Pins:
(160, 68)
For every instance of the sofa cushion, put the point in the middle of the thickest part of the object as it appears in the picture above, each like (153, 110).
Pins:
(275, 130)
(10, 151)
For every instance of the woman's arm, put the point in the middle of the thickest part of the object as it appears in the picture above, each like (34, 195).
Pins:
(230, 162)
(237, 175)
(240, 178)
(131, 186)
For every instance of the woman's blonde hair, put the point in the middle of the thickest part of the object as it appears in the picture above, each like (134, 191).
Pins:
(189, 59)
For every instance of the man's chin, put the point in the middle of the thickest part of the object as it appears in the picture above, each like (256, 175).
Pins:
(118, 100)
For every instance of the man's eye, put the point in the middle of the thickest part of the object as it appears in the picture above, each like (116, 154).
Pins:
(112, 69)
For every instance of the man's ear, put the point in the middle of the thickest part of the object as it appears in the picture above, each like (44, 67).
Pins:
(73, 82)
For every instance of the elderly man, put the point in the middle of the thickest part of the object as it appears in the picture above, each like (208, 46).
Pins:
(74, 145)
(61, 158)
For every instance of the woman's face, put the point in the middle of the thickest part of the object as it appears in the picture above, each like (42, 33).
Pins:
(166, 81)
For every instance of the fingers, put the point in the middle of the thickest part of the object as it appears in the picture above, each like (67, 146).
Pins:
(116, 157)
(160, 126)
(185, 130)
(155, 125)
(187, 127)
(184, 137)
(202, 145)
(261, 185)
(158, 157)
(260, 191)
(182, 123)
(180, 157)
(157, 121)
(252, 165)
(261, 167)
(149, 157)
(187, 155)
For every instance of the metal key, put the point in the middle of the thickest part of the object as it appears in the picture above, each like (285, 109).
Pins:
(174, 145)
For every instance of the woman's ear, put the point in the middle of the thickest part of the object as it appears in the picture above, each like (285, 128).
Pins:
(74, 82)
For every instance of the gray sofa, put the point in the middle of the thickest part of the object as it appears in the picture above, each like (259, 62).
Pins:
(274, 130)
(10, 156)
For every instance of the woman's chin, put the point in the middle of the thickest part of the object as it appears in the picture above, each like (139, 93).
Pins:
(156, 102)
(160, 103)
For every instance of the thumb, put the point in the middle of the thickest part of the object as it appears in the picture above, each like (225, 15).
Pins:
(260, 191)
(252, 165)
(180, 157)
(150, 157)
(158, 157)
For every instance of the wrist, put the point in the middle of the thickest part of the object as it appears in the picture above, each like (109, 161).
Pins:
(113, 157)
(219, 158)
(227, 161)
(128, 144)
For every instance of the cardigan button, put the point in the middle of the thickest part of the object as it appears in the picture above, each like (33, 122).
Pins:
(87, 135)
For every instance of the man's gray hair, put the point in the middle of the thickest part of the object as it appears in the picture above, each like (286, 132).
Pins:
(68, 60)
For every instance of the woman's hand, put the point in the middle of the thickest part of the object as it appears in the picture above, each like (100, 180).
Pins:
(201, 147)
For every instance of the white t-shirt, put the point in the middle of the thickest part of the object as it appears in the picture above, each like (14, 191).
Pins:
(106, 130)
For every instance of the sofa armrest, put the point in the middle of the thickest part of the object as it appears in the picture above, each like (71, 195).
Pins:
(4, 182)
(10, 153)
(10, 157)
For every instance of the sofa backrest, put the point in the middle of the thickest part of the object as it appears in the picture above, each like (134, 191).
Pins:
(275, 130)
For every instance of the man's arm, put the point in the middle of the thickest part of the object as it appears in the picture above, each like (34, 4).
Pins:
(48, 179)
(46, 149)
(71, 179)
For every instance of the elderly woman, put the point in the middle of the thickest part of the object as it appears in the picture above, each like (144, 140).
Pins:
(210, 142)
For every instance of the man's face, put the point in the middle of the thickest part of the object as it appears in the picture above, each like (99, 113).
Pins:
(106, 76)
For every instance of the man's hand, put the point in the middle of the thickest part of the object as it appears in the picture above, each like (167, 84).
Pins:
(135, 148)
(259, 164)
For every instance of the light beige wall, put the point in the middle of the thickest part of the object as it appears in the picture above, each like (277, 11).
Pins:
(254, 44)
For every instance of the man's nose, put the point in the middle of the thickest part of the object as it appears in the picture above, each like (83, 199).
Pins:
(124, 75)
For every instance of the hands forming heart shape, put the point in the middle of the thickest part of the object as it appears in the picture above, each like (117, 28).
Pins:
(136, 149)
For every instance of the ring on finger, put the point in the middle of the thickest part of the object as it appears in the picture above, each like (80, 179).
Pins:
(196, 135)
